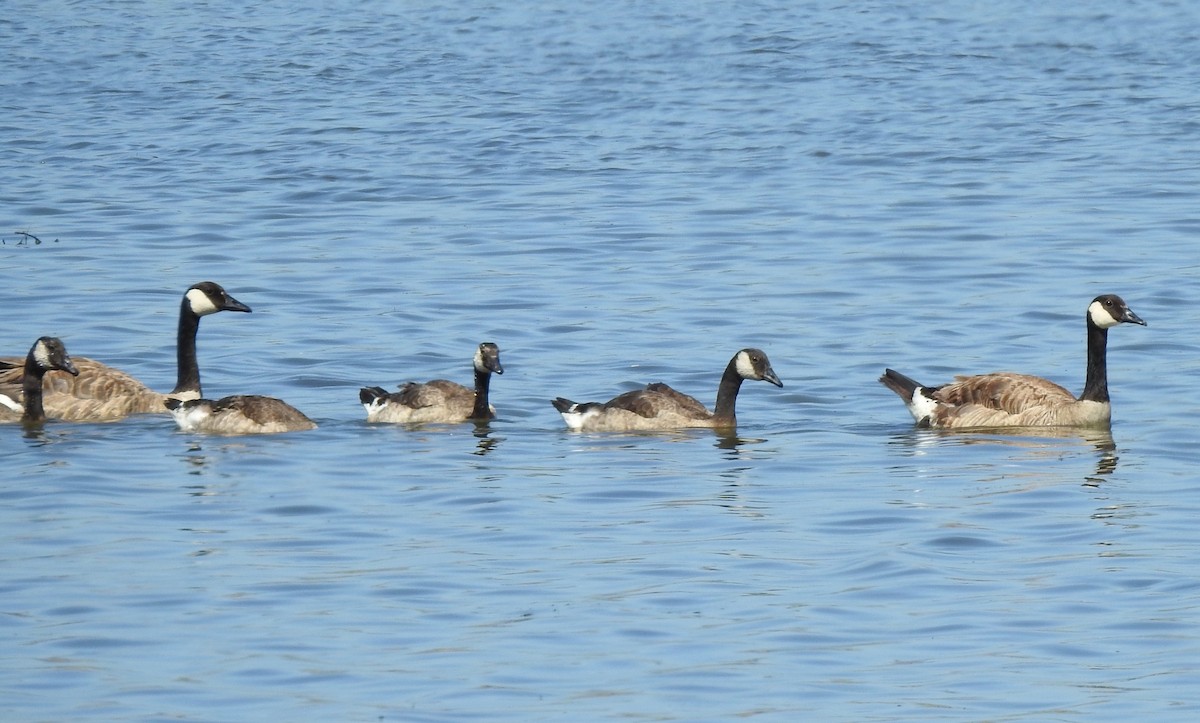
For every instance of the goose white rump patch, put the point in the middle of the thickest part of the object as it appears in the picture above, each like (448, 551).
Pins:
(190, 415)
(921, 406)
(575, 419)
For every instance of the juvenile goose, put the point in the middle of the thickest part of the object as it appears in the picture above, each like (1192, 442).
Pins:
(439, 400)
(103, 393)
(238, 414)
(47, 354)
(1005, 399)
(658, 406)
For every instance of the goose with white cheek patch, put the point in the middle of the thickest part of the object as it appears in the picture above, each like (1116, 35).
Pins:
(47, 354)
(659, 407)
(1005, 399)
(100, 393)
(439, 400)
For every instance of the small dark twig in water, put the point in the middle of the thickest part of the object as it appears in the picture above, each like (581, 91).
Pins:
(26, 237)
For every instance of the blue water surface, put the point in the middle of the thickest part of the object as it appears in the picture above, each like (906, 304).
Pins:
(615, 194)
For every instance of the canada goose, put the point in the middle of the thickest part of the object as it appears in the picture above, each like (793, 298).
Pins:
(439, 400)
(102, 393)
(47, 354)
(658, 406)
(238, 414)
(1005, 399)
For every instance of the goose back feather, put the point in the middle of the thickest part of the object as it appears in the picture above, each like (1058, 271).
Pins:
(440, 400)
(1008, 399)
(99, 393)
(239, 414)
(660, 407)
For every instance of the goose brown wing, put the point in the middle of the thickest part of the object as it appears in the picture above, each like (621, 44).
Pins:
(95, 380)
(99, 393)
(1008, 392)
(684, 404)
(430, 394)
(261, 410)
(659, 399)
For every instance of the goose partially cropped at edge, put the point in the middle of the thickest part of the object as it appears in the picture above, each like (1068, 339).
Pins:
(659, 407)
(1005, 399)
(47, 354)
(439, 400)
(102, 393)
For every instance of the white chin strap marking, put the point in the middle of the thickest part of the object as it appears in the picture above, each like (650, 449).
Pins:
(200, 304)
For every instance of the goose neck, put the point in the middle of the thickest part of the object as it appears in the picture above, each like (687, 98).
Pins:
(31, 386)
(481, 410)
(724, 413)
(185, 350)
(1095, 389)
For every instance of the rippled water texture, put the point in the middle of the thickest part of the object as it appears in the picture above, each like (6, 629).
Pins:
(615, 194)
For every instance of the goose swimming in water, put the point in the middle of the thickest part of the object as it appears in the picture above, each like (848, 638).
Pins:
(1006, 399)
(659, 407)
(238, 414)
(439, 400)
(47, 354)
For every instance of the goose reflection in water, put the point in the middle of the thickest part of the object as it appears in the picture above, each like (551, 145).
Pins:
(485, 443)
(1038, 443)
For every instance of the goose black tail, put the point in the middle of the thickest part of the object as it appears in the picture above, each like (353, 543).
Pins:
(562, 404)
(367, 395)
(903, 386)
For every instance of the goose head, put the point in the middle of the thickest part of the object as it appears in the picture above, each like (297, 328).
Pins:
(1109, 310)
(487, 359)
(208, 297)
(753, 364)
(49, 354)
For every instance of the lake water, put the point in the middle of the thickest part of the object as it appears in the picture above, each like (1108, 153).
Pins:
(615, 194)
